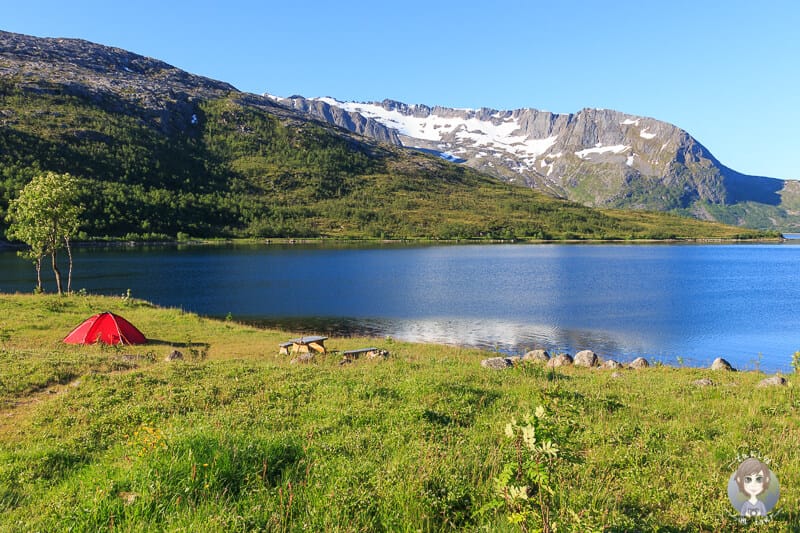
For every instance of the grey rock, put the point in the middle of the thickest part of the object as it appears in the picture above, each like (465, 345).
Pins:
(721, 364)
(537, 356)
(611, 363)
(639, 362)
(497, 363)
(561, 359)
(617, 374)
(586, 358)
(704, 382)
(772, 381)
(175, 355)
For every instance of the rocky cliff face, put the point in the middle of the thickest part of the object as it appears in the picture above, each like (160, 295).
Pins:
(597, 157)
(164, 94)
(333, 114)
(74, 61)
(87, 68)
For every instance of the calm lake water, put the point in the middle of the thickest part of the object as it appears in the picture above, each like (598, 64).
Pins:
(688, 303)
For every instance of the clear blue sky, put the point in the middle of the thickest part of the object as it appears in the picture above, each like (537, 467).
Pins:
(727, 72)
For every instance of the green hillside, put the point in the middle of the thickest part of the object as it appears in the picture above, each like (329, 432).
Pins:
(236, 166)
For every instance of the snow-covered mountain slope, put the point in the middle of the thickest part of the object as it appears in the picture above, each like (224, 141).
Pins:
(597, 157)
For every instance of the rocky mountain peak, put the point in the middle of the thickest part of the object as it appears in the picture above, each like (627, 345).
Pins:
(598, 157)
(88, 68)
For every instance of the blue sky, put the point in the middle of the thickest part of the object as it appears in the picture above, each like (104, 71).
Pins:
(726, 73)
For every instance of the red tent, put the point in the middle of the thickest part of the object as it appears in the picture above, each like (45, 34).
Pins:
(107, 328)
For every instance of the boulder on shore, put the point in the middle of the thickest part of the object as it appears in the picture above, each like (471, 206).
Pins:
(704, 382)
(537, 356)
(497, 363)
(639, 362)
(721, 364)
(586, 358)
(561, 359)
(773, 381)
(611, 364)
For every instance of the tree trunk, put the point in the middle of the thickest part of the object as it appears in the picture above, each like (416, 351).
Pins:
(38, 264)
(56, 272)
(69, 272)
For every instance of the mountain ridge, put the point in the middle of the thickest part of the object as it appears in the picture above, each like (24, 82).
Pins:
(597, 157)
(161, 153)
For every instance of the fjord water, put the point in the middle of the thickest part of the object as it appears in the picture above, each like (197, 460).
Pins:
(680, 304)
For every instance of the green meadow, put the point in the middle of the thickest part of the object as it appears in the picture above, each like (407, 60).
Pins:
(235, 437)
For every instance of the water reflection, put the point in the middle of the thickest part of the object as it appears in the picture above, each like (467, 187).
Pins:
(507, 338)
(693, 302)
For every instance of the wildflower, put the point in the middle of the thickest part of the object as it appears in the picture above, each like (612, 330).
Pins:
(548, 448)
(529, 437)
(517, 493)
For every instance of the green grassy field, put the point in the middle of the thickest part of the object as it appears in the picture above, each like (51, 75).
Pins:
(235, 438)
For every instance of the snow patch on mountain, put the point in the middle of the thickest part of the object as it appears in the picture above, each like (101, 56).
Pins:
(600, 149)
(451, 157)
(502, 133)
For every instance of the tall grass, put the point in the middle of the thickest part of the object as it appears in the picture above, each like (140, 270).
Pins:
(242, 440)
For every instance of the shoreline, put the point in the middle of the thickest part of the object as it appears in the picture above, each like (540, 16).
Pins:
(512, 356)
(329, 241)
(343, 328)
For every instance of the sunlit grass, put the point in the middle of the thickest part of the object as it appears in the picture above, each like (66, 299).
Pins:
(236, 438)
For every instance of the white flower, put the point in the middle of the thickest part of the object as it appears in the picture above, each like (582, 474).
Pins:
(517, 493)
(529, 437)
(548, 448)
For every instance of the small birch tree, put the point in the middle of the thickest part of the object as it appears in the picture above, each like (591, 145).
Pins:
(46, 215)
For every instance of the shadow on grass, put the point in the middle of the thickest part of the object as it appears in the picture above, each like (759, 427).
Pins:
(189, 345)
